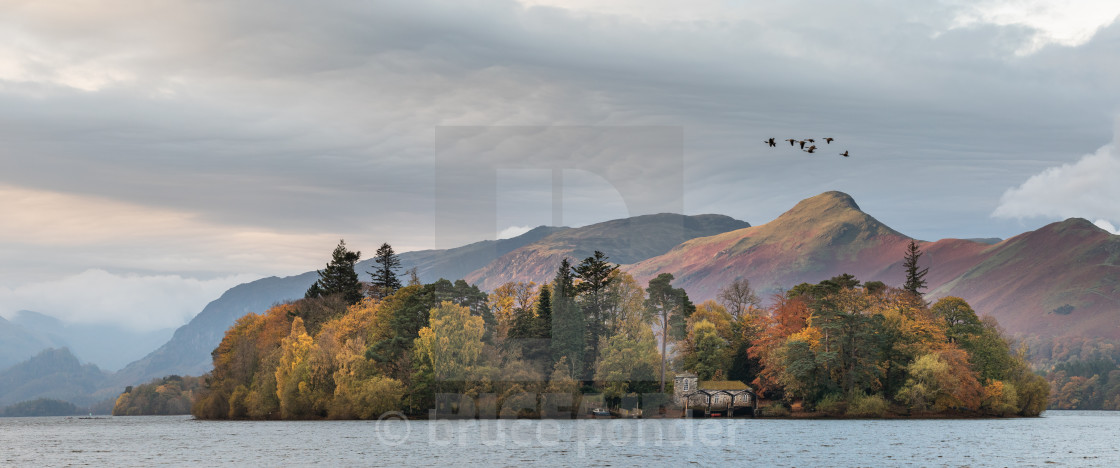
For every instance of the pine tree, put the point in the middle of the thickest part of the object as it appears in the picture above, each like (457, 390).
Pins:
(385, 281)
(915, 277)
(543, 328)
(339, 276)
(670, 308)
(567, 321)
(595, 275)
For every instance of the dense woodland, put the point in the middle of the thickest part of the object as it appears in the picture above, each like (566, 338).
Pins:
(41, 407)
(1083, 372)
(840, 347)
(170, 395)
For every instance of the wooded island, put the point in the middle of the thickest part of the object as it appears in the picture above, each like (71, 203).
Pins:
(837, 348)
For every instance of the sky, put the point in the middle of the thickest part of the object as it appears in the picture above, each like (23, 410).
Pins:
(154, 154)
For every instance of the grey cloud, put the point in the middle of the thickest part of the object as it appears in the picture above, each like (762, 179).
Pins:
(322, 117)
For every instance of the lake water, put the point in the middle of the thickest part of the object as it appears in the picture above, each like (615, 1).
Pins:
(1070, 438)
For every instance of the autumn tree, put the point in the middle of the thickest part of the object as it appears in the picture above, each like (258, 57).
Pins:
(293, 386)
(707, 356)
(512, 303)
(384, 279)
(915, 276)
(669, 307)
(451, 344)
(739, 297)
(339, 276)
(628, 362)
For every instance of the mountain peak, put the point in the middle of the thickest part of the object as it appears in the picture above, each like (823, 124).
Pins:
(826, 206)
(827, 201)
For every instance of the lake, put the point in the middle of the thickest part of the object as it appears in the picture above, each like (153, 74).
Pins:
(1079, 438)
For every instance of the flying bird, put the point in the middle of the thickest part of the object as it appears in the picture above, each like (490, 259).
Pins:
(791, 141)
(811, 149)
(770, 142)
(829, 140)
(802, 144)
(844, 154)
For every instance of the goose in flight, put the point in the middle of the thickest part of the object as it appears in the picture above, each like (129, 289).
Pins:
(811, 149)
(828, 140)
(844, 154)
(802, 144)
(791, 141)
(770, 142)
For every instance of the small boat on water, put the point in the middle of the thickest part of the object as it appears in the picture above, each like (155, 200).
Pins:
(600, 413)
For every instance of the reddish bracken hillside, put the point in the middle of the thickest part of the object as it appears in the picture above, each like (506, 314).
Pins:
(1063, 279)
(625, 240)
(821, 237)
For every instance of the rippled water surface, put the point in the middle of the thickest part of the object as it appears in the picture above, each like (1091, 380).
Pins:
(1071, 438)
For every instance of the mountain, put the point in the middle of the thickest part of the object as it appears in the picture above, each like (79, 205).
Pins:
(819, 238)
(17, 343)
(459, 262)
(1059, 280)
(627, 240)
(188, 350)
(54, 373)
(1062, 279)
(109, 346)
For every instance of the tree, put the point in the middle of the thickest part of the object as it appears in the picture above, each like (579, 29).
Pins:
(738, 297)
(595, 274)
(452, 344)
(385, 281)
(628, 362)
(960, 320)
(915, 276)
(707, 354)
(567, 321)
(339, 276)
(670, 308)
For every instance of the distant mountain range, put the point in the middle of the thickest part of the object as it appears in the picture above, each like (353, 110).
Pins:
(1063, 279)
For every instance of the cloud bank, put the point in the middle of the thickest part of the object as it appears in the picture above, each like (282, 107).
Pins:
(137, 302)
(210, 139)
(1088, 188)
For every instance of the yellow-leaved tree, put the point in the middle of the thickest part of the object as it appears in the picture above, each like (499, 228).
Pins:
(450, 345)
(293, 375)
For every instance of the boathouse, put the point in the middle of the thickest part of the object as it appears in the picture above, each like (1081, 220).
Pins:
(713, 397)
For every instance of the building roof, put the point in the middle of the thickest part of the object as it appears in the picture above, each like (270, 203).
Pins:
(723, 385)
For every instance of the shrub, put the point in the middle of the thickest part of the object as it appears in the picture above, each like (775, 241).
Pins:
(867, 406)
(776, 409)
(833, 403)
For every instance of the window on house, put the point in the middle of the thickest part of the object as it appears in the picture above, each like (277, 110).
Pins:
(685, 386)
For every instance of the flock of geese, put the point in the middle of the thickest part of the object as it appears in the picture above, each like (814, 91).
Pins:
(812, 147)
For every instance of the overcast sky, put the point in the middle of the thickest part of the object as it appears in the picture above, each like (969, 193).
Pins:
(153, 154)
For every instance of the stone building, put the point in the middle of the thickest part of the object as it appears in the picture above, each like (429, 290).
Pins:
(713, 397)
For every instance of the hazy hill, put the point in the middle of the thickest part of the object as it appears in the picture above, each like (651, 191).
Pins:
(1023, 282)
(188, 350)
(54, 373)
(17, 343)
(109, 346)
(626, 241)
